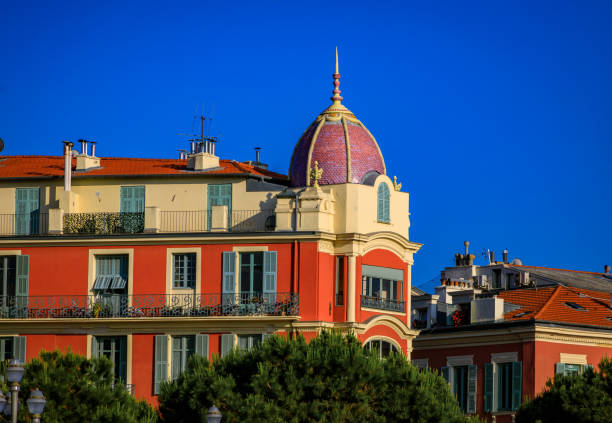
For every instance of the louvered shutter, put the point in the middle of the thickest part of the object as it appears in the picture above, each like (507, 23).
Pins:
(560, 369)
(488, 387)
(94, 348)
(472, 388)
(19, 348)
(229, 277)
(26, 210)
(122, 358)
(445, 373)
(21, 285)
(201, 345)
(269, 285)
(132, 199)
(177, 348)
(227, 343)
(161, 361)
(517, 383)
(220, 195)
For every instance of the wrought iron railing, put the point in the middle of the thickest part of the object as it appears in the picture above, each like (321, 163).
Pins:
(34, 223)
(149, 305)
(383, 303)
(103, 223)
(419, 324)
(200, 221)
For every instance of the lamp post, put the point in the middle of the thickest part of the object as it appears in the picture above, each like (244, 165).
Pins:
(2, 401)
(214, 415)
(14, 373)
(36, 405)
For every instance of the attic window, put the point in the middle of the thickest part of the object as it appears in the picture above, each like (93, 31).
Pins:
(609, 318)
(575, 306)
(524, 313)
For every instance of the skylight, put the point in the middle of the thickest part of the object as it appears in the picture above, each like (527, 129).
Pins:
(524, 313)
(575, 306)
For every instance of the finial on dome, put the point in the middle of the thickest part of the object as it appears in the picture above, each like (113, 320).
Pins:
(337, 98)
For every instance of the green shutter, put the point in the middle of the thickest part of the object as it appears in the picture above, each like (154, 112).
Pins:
(383, 203)
(27, 210)
(220, 195)
(21, 286)
(269, 282)
(132, 199)
(227, 343)
(201, 345)
(517, 383)
(445, 373)
(19, 348)
(229, 276)
(161, 361)
(177, 349)
(560, 369)
(488, 387)
(94, 348)
(472, 388)
(123, 358)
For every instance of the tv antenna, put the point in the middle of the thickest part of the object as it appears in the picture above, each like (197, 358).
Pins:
(201, 143)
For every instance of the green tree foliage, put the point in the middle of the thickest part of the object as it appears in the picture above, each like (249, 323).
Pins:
(330, 379)
(585, 398)
(78, 389)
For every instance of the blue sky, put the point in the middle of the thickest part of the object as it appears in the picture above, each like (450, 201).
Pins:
(495, 116)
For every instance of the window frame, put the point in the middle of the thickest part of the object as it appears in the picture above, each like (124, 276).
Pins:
(184, 351)
(393, 347)
(189, 270)
(383, 201)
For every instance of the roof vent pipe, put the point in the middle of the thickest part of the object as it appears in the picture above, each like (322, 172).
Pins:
(606, 269)
(83, 147)
(93, 148)
(492, 257)
(505, 255)
(257, 154)
(67, 165)
(467, 247)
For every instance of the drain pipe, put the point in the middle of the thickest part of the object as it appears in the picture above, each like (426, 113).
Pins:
(67, 165)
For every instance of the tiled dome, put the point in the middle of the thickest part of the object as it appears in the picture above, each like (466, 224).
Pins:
(343, 147)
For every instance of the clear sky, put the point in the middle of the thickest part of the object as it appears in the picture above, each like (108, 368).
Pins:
(495, 116)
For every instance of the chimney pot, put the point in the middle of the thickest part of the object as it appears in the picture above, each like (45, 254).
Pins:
(83, 147)
(467, 247)
(606, 269)
(492, 257)
(93, 148)
(505, 255)
(67, 165)
(257, 154)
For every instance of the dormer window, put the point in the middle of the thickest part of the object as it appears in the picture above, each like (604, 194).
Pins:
(575, 306)
(383, 203)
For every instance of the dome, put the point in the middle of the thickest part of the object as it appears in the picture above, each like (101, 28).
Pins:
(341, 145)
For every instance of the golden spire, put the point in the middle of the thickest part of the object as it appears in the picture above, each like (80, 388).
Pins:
(337, 99)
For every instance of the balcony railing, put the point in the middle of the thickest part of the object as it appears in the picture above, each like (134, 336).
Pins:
(383, 303)
(103, 223)
(33, 223)
(149, 305)
(201, 221)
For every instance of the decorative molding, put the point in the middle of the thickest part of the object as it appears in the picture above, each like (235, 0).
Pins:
(324, 246)
(572, 358)
(459, 360)
(383, 338)
(10, 252)
(504, 357)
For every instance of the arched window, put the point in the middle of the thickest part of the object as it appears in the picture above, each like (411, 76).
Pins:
(384, 348)
(383, 203)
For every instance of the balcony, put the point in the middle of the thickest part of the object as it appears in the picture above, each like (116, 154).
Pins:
(217, 220)
(383, 304)
(148, 305)
(34, 223)
(103, 223)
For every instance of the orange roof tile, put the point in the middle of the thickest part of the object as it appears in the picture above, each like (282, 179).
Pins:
(36, 167)
(550, 303)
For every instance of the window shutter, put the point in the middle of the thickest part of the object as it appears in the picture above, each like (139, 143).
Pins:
(161, 361)
(220, 195)
(445, 373)
(227, 343)
(177, 348)
(123, 358)
(229, 277)
(517, 382)
(560, 369)
(488, 387)
(201, 347)
(94, 347)
(472, 388)
(587, 367)
(265, 336)
(21, 288)
(19, 348)
(269, 286)
(26, 210)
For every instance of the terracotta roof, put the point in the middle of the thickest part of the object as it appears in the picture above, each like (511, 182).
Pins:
(554, 303)
(53, 166)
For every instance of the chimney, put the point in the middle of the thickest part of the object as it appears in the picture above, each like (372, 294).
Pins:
(67, 165)
(607, 269)
(84, 160)
(257, 162)
(83, 147)
(467, 247)
(257, 154)
(93, 148)
(492, 257)
(505, 255)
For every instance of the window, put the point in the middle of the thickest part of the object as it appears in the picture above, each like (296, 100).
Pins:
(183, 347)
(383, 203)
(496, 278)
(575, 306)
(503, 385)
(256, 279)
(566, 369)
(339, 280)
(13, 347)
(220, 195)
(382, 288)
(27, 211)
(14, 272)
(251, 273)
(115, 349)
(184, 270)
(381, 347)
(132, 208)
(246, 342)
(462, 376)
(110, 285)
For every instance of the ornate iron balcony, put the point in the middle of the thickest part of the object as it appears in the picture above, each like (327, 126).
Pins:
(383, 304)
(103, 223)
(149, 305)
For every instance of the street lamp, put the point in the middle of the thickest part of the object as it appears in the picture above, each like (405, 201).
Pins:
(36, 405)
(14, 373)
(214, 415)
